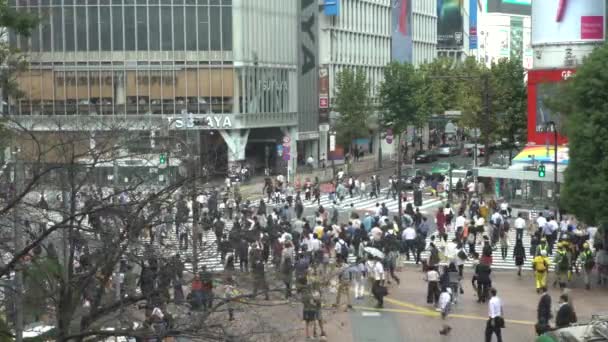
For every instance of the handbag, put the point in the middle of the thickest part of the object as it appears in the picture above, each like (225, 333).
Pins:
(500, 322)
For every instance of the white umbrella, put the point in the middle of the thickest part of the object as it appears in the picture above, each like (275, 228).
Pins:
(376, 233)
(374, 252)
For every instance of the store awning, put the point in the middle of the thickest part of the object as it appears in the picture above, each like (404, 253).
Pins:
(542, 154)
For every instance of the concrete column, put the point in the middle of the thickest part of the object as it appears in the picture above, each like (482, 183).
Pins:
(292, 166)
(314, 150)
(236, 140)
(121, 94)
(323, 142)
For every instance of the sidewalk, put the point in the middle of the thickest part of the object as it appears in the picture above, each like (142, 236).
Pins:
(365, 167)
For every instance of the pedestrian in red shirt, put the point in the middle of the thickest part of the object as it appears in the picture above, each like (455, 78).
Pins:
(440, 220)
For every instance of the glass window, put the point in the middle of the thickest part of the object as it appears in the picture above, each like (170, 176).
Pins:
(190, 33)
(35, 38)
(93, 28)
(57, 29)
(166, 28)
(47, 35)
(81, 28)
(129, 28)
(106, 28)
(117, 27)
(68, 14)
(154, 28)
(178, 27)
(203, 28)
(227, 28)
(142, 28)
(216, 29)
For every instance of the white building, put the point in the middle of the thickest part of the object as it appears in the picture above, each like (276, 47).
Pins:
(503, 35)
(424, 31)
(358, 37)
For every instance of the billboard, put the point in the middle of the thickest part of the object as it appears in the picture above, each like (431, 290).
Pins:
(323, 94)
(473, 5)
(555, 22)
(401, 49)
(517, 37)
(518, 7)
(449, 24)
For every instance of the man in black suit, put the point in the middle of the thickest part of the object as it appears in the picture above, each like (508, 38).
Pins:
(543, 312)
(565, 314)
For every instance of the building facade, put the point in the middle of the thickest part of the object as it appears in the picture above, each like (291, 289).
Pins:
(505, 31)
(227, 66)
(453, 29)
(424, 31)
(358, 37)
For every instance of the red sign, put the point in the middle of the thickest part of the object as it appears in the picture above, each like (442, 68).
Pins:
(323, 102)
(537, 80)
(592, 27)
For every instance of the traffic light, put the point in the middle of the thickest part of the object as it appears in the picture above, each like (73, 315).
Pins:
(541, 171)
(162, 159)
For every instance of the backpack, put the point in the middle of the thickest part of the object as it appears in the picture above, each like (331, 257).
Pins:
(541, 267)
(563, 263)
(343, 250)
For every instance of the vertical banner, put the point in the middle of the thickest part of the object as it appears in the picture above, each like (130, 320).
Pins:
(473, 24)
(323, 94)
(449, 24)
(331, 8)
(517, 38)
(402, 43)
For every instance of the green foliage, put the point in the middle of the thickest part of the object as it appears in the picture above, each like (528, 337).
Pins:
(353, 104)
(585, 192)
(22, 23)
(510, 99)
(402, 97)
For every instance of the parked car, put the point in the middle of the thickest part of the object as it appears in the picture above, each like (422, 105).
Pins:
(425, 156)
(446, 150)
(442, 168)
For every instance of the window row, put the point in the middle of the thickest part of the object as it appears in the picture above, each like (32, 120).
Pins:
(25, 3)
(365, 16)
(360, 48)
(425, 28)
(129, 28)
(204, 90)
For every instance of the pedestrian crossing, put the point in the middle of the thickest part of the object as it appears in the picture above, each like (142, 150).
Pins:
(208, 254)
(367, 203)
(497, 261)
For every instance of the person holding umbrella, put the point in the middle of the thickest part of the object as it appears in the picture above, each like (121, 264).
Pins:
(375, 270)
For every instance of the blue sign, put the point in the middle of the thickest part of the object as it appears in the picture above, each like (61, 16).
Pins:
(331, 8)
(473, 24)
(280, 150)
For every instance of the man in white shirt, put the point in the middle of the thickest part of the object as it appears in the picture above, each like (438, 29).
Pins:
(520, 225)
(376, 275)
(496, 318)
(541, 221)
(409, 240)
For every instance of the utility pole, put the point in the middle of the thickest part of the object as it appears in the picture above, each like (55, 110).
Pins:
(18, 244)
(555, 183)
(399, 161)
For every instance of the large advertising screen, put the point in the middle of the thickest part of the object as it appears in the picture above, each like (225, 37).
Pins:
(568, 21)
(402, 31)
(518, 7)
(473, 5)
(449, 24)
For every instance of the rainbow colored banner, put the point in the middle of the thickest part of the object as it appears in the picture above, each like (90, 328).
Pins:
(542, 154)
